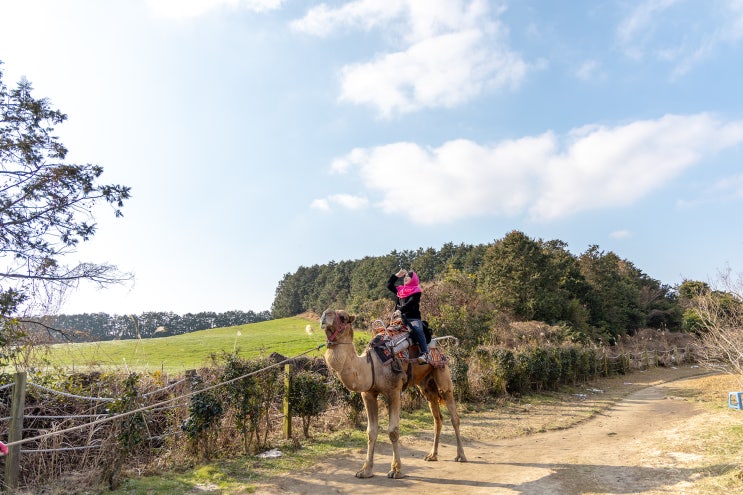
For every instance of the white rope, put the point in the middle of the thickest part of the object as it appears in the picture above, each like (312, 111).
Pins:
(60, 449)
(164, 388)
(72, 396)
(99, 399)
(76, 416)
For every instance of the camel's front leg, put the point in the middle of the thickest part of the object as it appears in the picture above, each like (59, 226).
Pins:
(372, 429)
(394, 432)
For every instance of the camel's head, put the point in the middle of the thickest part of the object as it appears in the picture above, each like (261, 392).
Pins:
(336, 324)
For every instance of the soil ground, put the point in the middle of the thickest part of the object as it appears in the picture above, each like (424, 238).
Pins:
(644, 433)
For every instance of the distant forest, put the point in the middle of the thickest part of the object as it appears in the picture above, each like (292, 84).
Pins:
(102, 326)
(468, 289)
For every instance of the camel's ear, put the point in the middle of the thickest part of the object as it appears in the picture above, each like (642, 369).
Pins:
(351, 318)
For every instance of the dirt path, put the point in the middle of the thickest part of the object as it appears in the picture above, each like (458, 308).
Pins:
(623, 450)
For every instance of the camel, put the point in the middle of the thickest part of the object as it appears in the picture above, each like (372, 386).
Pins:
(367, 375)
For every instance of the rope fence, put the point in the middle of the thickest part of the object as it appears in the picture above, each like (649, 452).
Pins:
(15, 438)
(157, 404)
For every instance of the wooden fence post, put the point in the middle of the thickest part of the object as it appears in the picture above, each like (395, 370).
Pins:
(287, 404)
(13, 463)
(606, 365)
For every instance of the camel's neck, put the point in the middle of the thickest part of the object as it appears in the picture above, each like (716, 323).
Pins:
(354, 371)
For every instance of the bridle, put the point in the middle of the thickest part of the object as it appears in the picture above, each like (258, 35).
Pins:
(339, 328)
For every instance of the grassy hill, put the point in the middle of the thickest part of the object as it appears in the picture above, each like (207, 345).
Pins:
(287, 336)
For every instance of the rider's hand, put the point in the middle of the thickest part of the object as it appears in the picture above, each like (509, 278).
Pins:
(401, 273)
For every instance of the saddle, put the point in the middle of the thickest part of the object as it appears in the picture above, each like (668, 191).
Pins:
(393, 345)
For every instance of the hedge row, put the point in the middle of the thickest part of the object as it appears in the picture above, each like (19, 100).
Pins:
(495, 371)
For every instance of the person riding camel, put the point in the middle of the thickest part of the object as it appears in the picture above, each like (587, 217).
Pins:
(408, 298)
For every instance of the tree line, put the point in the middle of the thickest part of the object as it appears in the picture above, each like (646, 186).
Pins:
(594, 296)
(102, 326)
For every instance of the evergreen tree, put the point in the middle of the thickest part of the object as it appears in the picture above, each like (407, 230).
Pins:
(46, 209)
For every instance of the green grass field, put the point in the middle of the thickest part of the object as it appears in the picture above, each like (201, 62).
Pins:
(287, 336)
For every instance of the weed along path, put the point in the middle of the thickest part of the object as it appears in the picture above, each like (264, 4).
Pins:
(643, 443)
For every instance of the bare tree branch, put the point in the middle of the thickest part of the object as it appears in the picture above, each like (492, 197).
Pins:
(719, 312)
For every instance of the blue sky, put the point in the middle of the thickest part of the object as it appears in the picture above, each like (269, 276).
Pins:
(259, 136)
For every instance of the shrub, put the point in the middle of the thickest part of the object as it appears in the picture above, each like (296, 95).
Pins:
(459, 369)
(251, 397)
(308, 397)
(130, 431)
(204, 412)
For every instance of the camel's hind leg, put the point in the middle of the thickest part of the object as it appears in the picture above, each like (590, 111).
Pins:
(451, 406)
(438, 421)
(445, 389)
(372, 429)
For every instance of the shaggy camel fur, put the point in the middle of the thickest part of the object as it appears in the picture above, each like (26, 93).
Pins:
(367, 375)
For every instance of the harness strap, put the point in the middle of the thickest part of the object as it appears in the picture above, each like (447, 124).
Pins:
(339, 328)
(371, 361)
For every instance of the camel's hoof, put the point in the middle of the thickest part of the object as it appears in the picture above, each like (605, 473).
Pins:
(431, 457)
(364, 474)
(395, 475)
(460, 458)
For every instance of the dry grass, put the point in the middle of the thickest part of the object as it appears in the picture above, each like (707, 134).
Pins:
(713, 439)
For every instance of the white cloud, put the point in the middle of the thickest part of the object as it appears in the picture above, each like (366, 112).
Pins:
(729, 187)
(604, 167)
(723, 190)
(195, 8)
(442, 71)
(446, 52)
(544, 176)
(620, 234)
(364, 14)
(682, 34)
(342, 165)
(590, 70)
(321, 204)
(733, 30)
(346, 201)
(350, 202)
(635, 29)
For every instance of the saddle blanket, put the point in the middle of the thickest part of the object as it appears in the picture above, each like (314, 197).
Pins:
(381, 345)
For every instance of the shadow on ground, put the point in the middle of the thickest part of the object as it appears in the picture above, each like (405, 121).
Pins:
(578, 479)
